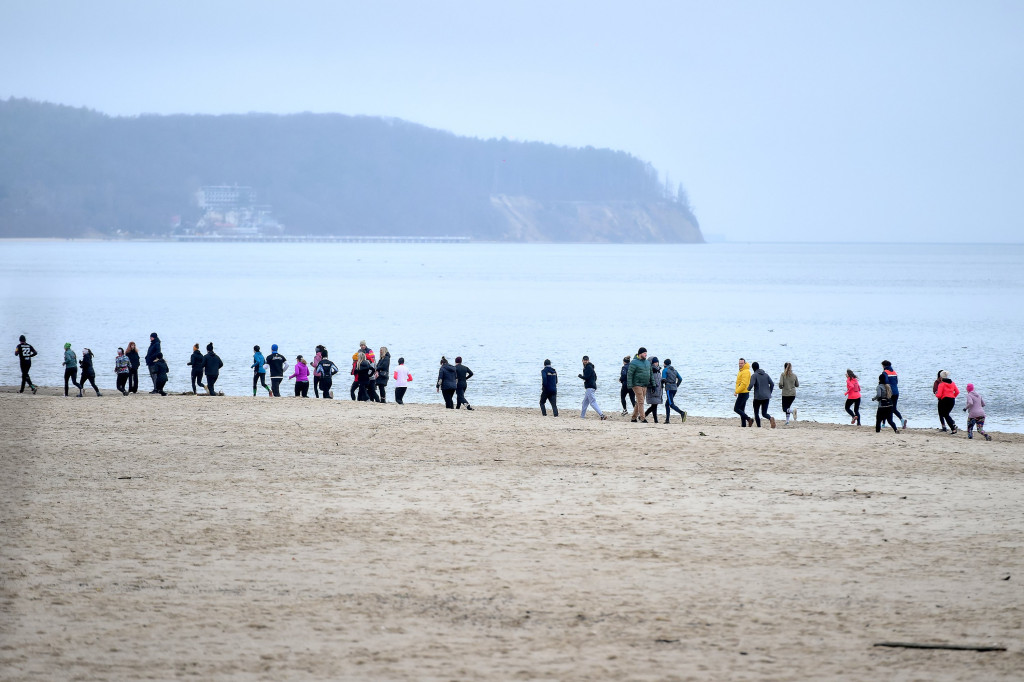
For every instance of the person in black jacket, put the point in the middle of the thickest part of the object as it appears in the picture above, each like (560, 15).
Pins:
(548, 388)
(462, 374)
(25, 353)
(383, 369)
(160, 365)
(88, 372)
(196, 363)
(211, 368)
(447, 380)
(154, 350)
(133, 372)
(327, 369)
(589, 377)
(276, 364)
(625, 389)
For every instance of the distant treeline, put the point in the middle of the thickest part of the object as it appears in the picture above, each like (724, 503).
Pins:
(70, 172)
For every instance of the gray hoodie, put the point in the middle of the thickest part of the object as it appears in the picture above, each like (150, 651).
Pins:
(761, 384)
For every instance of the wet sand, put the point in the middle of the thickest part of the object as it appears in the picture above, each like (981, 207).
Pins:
(258, 539)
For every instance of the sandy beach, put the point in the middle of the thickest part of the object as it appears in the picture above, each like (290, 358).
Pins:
(257, 539)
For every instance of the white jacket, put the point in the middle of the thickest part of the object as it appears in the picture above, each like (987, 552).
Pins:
(402, 376)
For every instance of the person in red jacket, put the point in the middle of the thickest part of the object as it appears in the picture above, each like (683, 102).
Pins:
(853, 397)
(946, 391)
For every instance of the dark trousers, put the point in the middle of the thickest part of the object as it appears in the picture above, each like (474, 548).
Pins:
(159, 385)
(761, 409)
(787, 402)
(399, 394)
(25, 365)
(623, 392)
(352, 391)
(548, 397)
(895, 402)
(302, 389)
(133, 380)
(382, 391)
(670, 404)
(855, 412)
(73, 375)
(652, 409)
(152, 375)
(740, 408)
(122, 379)
(460, 393)
(316, 386)
(275, 386)
(882, 415)
(211, 379)
(259, 378)
(448, 393)
(197, 380)
(325, 387)
(91, 378)
(371, 392)
(945, 407)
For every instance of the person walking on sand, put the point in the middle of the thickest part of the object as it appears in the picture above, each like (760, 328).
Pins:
(788, 383)
(671, 380)
(25, 353)
(624, 389)
(655, 390)
(383, 374)
(154, 348)
(894, 383)
(301, 376)
(121, 368)
(327, 371)
(853, 397)
(447, 380)
(883, 396)
(548, 389)
(277, 364)
(161, 373)
(762, 386)
(947, 392)
(975, 413)
(259, 371)
(589, 377)
(196, 363)
(132, 353)
(88, 373)
(402, 379)
(211, 368)
(638, 378)
(70, 368)
(463, 374)
(742, 393)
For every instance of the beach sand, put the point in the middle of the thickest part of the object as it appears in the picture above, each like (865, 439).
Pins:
(257, 539)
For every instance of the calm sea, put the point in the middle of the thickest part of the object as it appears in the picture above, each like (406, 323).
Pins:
(507, 307)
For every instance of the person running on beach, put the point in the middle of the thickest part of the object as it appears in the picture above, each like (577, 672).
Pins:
(947, 392)
(88, 373)
(70, 368)
(447, 380)
(121, 368)
(788, 383)
(671, 380)
(548, 389)
(638, 378)
(655, 390)
(762, 386)
(402, 378)
(463, 374)
(196, 363)
(259, 371)
(25, 353)
(589, 377)
(301, 376)
(883, 396)
(154, 349)
(277, 364)
(327, 371)
(160, 365)
(132, 353)
(853, 397)
(975, 413)
(742, 393)
(935, 390)
(894, 383)
(316, 370)
(383, 368)
(624, 389)
(211, 368)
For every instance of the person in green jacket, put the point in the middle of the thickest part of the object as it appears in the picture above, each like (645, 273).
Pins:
(638, 377)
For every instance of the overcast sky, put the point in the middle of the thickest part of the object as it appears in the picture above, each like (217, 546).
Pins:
(788, 120)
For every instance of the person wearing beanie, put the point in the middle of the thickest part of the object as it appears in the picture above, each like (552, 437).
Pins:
(368, 352)
(402, 378)
(762, 386)
(946, 391)
(883, 396)
(975, 413)
(121, 368)
(638, 378)
(742, 393)
(548, 389)
(25, 353)
(277, 364)
(132, 353)
(462, 375)
(70, 368)
(655, 390)
(196, 363)
(355, 375)
(624, 389)
(671, 380)
(447, 380)
(894, 383)
(154, 349)
(259, 371)
(211, 368)
(589, 377)
(788, 383)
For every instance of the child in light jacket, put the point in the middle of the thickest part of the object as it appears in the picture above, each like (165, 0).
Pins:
(975, 413)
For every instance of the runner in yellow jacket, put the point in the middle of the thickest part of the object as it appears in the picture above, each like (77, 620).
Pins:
(742, 393)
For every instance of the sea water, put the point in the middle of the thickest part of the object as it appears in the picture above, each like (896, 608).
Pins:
(505, 308)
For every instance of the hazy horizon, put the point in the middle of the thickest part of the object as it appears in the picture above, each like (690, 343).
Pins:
(800, 121)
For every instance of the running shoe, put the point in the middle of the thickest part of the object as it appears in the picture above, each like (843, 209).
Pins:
(904, 423)
(684, 416)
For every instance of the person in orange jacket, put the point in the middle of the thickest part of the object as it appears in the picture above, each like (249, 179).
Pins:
(946, 391)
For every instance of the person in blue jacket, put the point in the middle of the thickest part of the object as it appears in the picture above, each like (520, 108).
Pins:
(894, 385)
(259, 371)
(154, 350)
(548, 388)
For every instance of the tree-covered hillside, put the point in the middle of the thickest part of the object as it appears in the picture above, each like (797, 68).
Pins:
(74, 172)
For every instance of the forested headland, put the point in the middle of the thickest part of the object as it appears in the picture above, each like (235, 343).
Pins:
(72, 172)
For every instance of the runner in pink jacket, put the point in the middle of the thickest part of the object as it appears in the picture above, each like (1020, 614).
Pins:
(301, 376)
